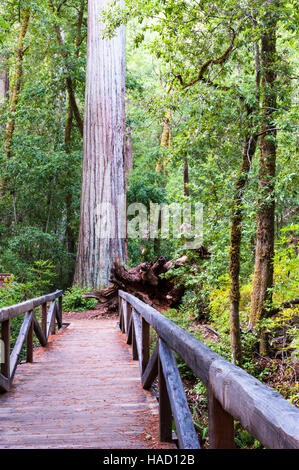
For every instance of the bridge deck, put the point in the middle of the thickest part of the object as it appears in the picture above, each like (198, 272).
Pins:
(82, 391)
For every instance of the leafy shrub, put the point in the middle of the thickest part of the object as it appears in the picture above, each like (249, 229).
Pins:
(72, 300)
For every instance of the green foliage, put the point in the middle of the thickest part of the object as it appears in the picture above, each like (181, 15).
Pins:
(73, 302)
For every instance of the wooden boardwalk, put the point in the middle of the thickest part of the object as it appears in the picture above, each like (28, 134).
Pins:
(82, 391)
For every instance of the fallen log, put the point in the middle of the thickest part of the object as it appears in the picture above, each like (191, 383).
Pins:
(146, 283)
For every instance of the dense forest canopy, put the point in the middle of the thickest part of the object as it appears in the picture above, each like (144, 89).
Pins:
(211, 118)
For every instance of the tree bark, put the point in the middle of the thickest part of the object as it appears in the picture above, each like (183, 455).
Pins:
(16, 86)
(69, 80)
(263, 271)
(102, 222)
(235, 246)
(4, 79)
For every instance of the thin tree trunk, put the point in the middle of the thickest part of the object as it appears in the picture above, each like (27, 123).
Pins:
(235, 246)
(102, 222)
(64, 55)
(4, 79)
(186, 178)
(16, 86)
(263, 271)
(248, 152)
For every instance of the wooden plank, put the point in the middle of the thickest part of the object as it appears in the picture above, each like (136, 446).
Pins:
(151, 370)
(59, 312)
(271, 419)
(124, 320)
(130, 331)
(179, 406)
(165, 415)
(29, 340)
(134, 343)
(129, 315)
(120, 313)
(221, 425)
(39, 332)
(145, 347)
(138, 336)
(5, 337)
(44, 319)
(18, 309)
(50, 316)
(4, 384)
(14, 357)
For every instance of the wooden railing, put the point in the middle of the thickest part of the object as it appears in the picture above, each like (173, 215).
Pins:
(9, 361)
(232, 393)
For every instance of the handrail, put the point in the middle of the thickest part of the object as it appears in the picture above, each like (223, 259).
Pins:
(232, 392)
(29, 325)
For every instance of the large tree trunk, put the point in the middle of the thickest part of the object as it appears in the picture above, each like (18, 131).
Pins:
(102, 223)
(263, 271)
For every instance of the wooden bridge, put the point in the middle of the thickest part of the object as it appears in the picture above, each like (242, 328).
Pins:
(81, 388)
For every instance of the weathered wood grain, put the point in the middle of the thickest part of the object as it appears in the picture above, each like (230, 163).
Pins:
(151, 370)
(179, 406)
(165, 414)
(39, 332)
(19, 309)
(14, 357)
(221, 425)
(262, 411)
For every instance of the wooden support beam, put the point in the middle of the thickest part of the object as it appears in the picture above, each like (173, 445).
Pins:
(221, 425)
(39, 332)
(145, 347)
(44, 319)
(179, 406)
(4, 384)
(51, 314)
(138, 336)
(14, 357)
(151, 370)
(29, 351)
(165, 415)
(5, 357)
(130, 331)
(124, 315)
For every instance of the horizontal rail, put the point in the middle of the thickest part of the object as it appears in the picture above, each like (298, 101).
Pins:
(30, 325)
(13, 311)
(232, 392)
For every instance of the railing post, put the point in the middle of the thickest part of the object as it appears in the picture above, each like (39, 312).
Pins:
(44, 319)
(221, 425)
(5, 336)
(129, 314)
(145, 348)
(165, 415)
(59, 311)
(29, 352)
(53, 324)
(134, 343)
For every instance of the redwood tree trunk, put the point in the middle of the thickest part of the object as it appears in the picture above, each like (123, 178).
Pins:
(101, 235)
(263, 271)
